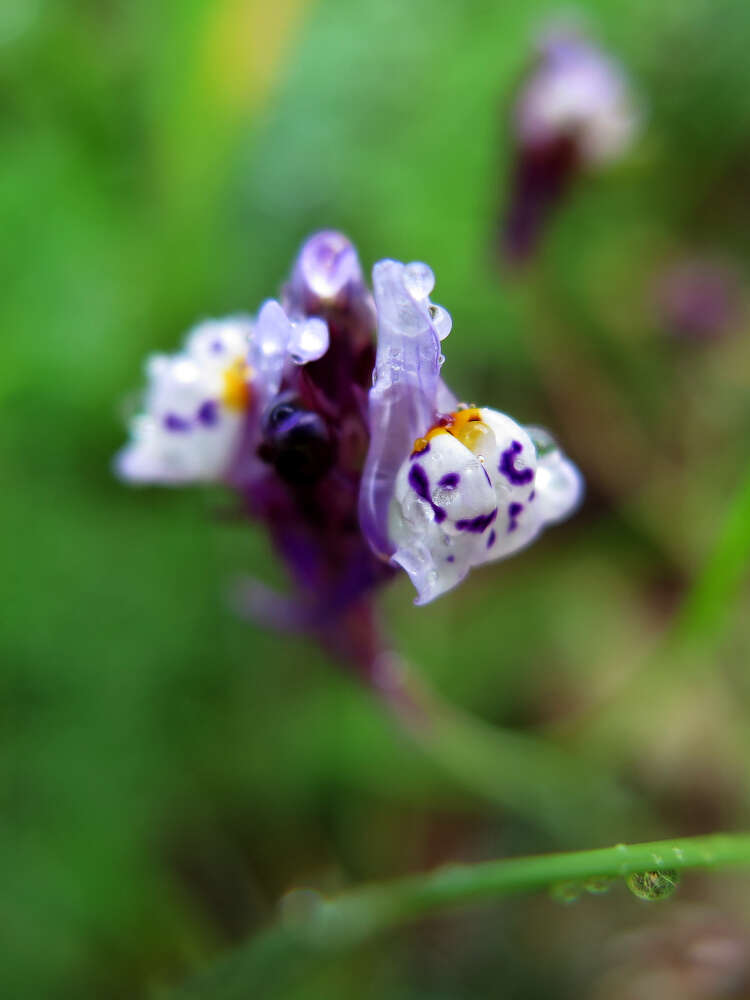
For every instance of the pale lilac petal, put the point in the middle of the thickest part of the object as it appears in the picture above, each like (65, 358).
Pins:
(277, 343)
(406, 387)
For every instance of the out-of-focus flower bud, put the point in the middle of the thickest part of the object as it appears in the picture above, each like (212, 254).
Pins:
(574, 112)
(698, 299)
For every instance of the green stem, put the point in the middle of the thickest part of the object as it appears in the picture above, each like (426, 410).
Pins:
(564, 794)
(279, 956)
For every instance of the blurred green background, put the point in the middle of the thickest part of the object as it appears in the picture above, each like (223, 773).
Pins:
(167, 773)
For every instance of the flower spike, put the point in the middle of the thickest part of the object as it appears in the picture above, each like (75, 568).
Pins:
(357, 457)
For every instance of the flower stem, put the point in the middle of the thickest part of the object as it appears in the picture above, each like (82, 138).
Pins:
(562, 794)
(282, 954)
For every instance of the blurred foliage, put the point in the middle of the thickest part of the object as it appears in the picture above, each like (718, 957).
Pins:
(167, 772)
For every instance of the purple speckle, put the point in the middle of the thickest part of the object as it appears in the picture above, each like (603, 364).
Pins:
(417, 452)
(217, 347)
(450, 481)
(419, 482)
(450, 558)
(514, 510)
(476, 525)
(531, 496)
(491, 539)
(421, 485)
(519, 477)
(175, 423)
(208, 413)
(486, 474)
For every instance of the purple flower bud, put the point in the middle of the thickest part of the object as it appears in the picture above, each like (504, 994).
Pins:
(327, 271)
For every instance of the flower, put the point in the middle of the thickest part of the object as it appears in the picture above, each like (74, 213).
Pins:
(193, 406)
(447, 487)
(574, 113)
(196, 402)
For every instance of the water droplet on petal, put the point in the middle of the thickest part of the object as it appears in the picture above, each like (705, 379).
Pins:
(441, 320)
(309, 341)
(419, 280)
(653, 885)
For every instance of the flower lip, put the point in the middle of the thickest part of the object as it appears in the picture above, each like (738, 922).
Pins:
(193, 409)
(468, 498)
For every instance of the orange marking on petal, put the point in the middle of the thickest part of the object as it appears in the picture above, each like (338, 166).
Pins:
(236, 394)
(466, 426)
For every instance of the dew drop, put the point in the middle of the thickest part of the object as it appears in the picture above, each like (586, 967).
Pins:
(653, 885)
(441, 320)
(598, 885)
(309, 341)
(566, 892)
(419, 280)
